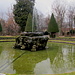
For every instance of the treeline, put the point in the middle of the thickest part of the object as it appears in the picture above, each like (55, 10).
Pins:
(16, 21)
(9, 26)
(64, 14)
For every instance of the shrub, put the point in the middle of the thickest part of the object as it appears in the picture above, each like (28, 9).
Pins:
(52, 26)
(28, 27)
(72, 32)
(0, 28)
(46, 33)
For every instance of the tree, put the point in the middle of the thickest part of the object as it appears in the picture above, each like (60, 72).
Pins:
(21, 11)
(59, 9)
(11, 26)
(53, 26)
(28, 27)
(70, 17)
(0, 28)
(2, 22)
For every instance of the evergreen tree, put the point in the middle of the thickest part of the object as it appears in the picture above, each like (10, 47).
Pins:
(0, 28)
(34, 25)
(28, 27)
(53, 26)
(21, 11)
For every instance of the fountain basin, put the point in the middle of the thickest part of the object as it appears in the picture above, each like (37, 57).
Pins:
(31, 41)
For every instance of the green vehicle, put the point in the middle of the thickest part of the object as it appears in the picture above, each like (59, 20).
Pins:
(31, 41)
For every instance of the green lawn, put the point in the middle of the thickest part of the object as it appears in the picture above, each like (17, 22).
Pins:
(70, 40)
(7, 38)
(12, 38)
(62, 41)
(73, 73)
(66, 37)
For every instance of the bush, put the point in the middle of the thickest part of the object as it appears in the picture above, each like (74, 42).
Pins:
(0, 28)
(46, 33)
(52, 35)
(52, 26)
(28, 27)
(72, 32)
(68, 33)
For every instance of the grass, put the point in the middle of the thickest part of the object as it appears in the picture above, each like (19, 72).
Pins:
(73, 73)
(70, 40)
(39, 55)
(7, 38)
(62, 41)
(12, 38)
(66, 37)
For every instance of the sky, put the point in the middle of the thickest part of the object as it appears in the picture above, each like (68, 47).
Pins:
(5, 5)
(43, 6)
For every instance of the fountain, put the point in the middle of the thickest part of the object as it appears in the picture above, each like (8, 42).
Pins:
(32, 40)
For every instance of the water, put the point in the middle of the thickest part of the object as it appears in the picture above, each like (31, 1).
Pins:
(34, 20)
(38, 20)
(57, 59)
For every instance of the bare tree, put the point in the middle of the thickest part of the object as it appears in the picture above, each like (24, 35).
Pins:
(1, 15)
(11, 27)
(47, 19)
(71, 15)
(38, 20)
(59, 10)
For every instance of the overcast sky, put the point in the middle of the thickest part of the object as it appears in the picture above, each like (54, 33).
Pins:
(43, 6)
(5, 5)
